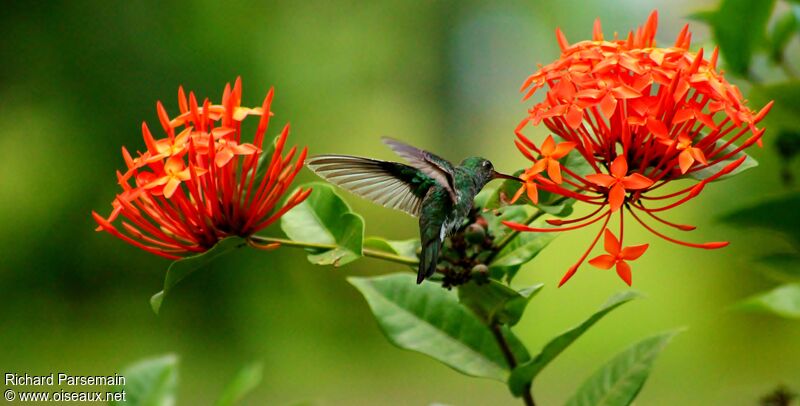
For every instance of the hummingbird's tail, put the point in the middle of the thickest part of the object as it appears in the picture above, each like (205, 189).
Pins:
(429, 257)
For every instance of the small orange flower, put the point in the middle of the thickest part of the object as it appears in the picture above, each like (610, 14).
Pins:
(617, 256)
(688, 154)
(203, 184)
(619, 182)
(528, 187)
(174, 173)
(550, 153)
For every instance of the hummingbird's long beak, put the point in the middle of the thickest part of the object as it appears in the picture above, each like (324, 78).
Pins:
(498, 175)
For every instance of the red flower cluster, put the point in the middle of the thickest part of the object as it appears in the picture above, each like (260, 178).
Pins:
(640, 117)
(202, 183)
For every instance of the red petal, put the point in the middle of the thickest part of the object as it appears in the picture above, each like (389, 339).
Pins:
(636, 181)
(624, 271)
(610, 243)
(682, 115)
(707, 120)
(601, 179)
(245, 149)
(680, 90)
(608, 105)
(574, 117)
(171, 187)
(657, 128)
(174, 164)
(589, 94)
(554, 171)
(634, 252)
(532, 192)
(685, 160)
(603, 261)
(624, 91)
(619, 167)
(562, 149)
(538, 167)
(553, 111)
(564, 90)
(223, 157)
(684, 141)
(519, 193)
(548, 146)
(616, 197)
(698, 155)
(630, 63)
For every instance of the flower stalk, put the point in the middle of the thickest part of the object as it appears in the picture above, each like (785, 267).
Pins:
(527, 395)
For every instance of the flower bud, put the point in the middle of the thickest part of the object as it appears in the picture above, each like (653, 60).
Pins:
(480, 269)
(475, 234)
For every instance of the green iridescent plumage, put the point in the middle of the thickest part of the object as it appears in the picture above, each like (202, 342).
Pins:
(429, 187)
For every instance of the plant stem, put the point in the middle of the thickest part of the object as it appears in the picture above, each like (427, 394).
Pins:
(513, 233)
(527, 396)
(367, 252)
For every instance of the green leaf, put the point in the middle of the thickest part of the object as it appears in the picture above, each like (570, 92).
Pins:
(428, 319)
(737, 43)
(524, 374)
(783, 301)
(618, 382)
(151, 382)
(405, 248)
(522, 249)
(243, 383)
(782, 266)
(496, 303)
(514, 213)
(325, 218)
(781, 34)
(182, 268)
(773, 215)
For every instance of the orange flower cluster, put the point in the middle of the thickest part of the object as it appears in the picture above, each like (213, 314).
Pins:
(202, 182)
(640, 117)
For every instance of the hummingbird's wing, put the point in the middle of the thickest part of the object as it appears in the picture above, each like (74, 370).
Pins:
(389, 184)
(430, 164)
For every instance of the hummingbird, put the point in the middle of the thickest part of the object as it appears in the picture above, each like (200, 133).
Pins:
(428, 187)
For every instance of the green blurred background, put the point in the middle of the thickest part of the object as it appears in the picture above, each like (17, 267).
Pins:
(78, 77)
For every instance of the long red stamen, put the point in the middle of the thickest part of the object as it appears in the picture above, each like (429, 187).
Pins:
(574, 268)
(708, 245)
